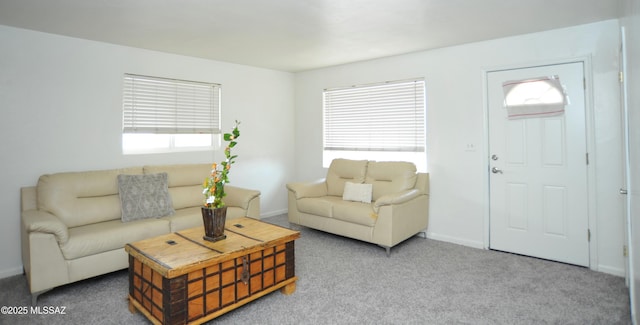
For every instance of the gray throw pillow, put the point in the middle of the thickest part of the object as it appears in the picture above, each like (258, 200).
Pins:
(144, 196)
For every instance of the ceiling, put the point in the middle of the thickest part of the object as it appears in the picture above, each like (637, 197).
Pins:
(297, 35)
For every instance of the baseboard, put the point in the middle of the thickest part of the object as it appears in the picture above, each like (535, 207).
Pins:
(455, 240)
(273, 213)
(475, 244)
(10, 272)
(611, 270)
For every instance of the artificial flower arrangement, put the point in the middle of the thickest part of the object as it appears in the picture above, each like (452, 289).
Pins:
(213, 186)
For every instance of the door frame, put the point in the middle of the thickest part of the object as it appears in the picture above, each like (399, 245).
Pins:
(629, 267)
(590, 139)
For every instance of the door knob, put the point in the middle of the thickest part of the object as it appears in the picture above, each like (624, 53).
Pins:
(496, 170)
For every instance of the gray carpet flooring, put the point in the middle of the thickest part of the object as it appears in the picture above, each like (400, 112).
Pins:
(343, 281)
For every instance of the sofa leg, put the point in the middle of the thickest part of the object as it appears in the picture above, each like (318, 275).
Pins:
(422, 234)
(388, 249)
(35, 295)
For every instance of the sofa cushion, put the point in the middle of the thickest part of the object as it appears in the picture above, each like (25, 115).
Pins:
(185, 182)
(144, 196)
(192, 217)
(355, 212)
(109, 235)
(185, 218)
(342, 171)
(320, 206)
(357, 192)
(390, 177)
(82, 198)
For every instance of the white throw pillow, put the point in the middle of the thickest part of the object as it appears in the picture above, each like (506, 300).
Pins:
(357, 192)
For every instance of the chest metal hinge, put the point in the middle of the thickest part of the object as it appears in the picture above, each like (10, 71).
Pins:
(589, 235)
(587, 157)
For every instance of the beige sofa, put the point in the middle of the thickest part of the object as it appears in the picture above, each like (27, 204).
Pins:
(73, 224)
(339, 203)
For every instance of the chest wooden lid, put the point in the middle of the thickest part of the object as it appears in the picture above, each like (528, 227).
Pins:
(184, 251)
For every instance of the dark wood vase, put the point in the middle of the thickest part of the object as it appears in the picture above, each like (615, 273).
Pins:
(214, 220)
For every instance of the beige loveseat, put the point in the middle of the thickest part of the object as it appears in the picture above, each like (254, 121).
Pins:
(378, 202)
(74, 225)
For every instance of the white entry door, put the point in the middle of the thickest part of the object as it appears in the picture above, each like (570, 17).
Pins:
(538, 171)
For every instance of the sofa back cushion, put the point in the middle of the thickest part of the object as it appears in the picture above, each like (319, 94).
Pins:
(390, 177)
(185, 182)
(342, 171)
(81, 198)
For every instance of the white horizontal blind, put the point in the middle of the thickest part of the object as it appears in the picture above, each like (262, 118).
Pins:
(381, 117)
(169, 106)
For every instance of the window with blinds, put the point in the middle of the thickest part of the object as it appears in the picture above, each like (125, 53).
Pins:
(164, 115)
(384, 121)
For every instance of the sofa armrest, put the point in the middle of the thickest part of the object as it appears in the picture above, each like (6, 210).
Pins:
(316, 188)
(239, 197)
(396, 198)
(44, 222)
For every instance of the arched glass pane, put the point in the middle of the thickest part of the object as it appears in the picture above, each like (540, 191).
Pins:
(534, 92)
(535, 97)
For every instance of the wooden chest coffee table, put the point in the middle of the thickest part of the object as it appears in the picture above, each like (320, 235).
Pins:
(180, 278)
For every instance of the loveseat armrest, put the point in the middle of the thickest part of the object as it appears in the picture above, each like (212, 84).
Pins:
(239, 197)
(316, 188)
(44, 222)
(396, 198)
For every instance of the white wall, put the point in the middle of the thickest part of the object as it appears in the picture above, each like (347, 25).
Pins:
(631, 22)
(454, 81)
(61, 103)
